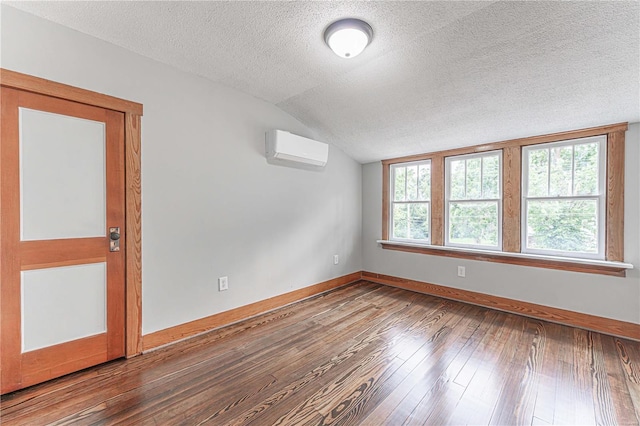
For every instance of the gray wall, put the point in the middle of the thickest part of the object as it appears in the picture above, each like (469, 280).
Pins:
(212, 206)
(605, 296)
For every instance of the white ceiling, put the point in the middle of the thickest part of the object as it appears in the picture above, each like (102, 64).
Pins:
(437, 75)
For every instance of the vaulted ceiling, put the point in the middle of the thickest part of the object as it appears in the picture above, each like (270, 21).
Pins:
(437, 75)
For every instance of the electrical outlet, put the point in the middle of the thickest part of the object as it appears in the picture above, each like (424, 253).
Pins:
(336, 259)
(223, 283)
(462, 271)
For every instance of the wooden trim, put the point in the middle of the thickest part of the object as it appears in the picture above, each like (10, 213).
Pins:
(116, 202)
(40, 102)
(10, 365)
(134, 235)
(532, 140)
(512, 260)
(437, 200)
(182, 331)
(615, 197)
(42, 86)
(609, 326)
(511, 198)
(386, 183)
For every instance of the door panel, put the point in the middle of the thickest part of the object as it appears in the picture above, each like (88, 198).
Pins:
(61, 189)
(63, 304)
(49, 175)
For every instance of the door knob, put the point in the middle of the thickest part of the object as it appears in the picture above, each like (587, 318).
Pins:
(114, 239)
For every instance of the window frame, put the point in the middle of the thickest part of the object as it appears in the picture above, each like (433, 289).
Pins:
(392, 202)
(613, 263)
(600, 197)
(447, 197)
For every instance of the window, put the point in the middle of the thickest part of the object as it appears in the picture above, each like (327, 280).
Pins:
(550, 201)
(563, 198)
(473, 200)
(411, 201)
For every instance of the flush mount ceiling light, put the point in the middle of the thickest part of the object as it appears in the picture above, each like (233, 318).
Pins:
(348, 37)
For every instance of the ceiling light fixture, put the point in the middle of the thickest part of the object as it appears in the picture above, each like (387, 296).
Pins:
(348, 37)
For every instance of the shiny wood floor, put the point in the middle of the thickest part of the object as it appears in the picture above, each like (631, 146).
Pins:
(363, 354)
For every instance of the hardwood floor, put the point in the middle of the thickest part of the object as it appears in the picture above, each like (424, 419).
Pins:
(363, 354)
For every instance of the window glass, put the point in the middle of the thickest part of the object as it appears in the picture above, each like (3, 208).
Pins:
(586, 169)
(418, 221)
(491, 177)
(473, 223)
(410, 210)
(473, 200)
(560, 179)
(412, 183)
(400, 227)
(474, 183)
(563, 207)
(399, 183)
(424, 182)
(565, 225)
(538, 173)
(457, 179)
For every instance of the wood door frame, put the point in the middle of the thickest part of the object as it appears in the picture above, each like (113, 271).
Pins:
(133, 189)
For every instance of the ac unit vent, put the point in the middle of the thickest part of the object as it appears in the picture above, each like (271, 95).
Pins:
(286, 146)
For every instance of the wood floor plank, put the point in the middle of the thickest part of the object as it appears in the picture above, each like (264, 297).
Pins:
(516, 402)
(629, 361)
(492, 364)
(386, 331)
(396, 388)
(583, 377)
(364, 354)
(286, 371)
(195, 383)
(368, 387)
(605, 407)
(488, 346)
(566, 402)
(454, 410)
(443, 394)
(549, 369)
(623, 403)
(440, 345)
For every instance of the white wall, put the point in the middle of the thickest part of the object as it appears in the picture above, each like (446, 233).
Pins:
(212, 206)
(611, 297)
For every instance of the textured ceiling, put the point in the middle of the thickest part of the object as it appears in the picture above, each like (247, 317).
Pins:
(438, 74)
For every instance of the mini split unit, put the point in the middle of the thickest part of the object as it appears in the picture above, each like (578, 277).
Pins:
(288, 147)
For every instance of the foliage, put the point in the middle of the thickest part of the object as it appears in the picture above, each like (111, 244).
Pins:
(566, 225)
(412, 192)
(563, 223)
(474, 223)
(411, 221)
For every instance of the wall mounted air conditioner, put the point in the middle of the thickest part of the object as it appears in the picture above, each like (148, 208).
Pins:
(286, 146)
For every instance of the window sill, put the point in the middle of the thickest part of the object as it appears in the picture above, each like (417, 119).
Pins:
(603, 267)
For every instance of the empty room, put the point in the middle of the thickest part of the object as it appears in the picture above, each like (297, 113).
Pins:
(320, 212)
